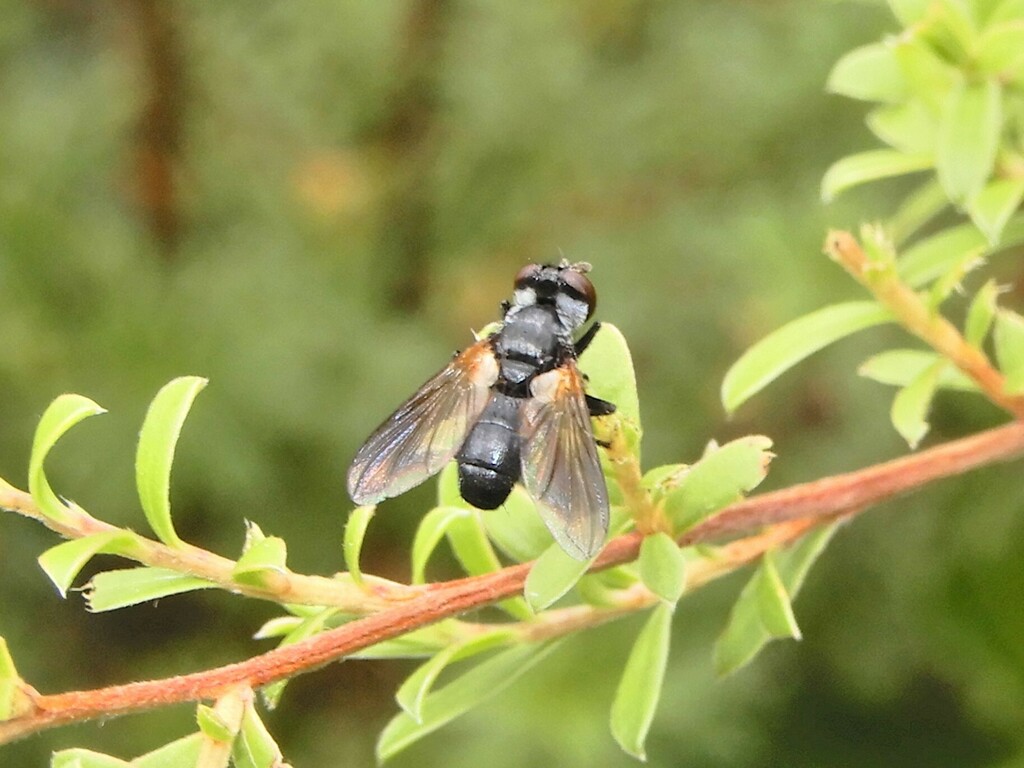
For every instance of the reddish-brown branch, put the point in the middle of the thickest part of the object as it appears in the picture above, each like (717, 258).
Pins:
(823, 499)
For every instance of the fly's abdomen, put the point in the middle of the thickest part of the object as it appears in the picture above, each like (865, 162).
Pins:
(489, 459)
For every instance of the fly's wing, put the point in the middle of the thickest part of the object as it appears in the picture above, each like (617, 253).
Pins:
(426, 431)
(561, 470)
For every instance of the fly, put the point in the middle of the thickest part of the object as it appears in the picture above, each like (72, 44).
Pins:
(511, 407)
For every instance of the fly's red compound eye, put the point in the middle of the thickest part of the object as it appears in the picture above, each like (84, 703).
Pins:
(581, 285)
(526, 274)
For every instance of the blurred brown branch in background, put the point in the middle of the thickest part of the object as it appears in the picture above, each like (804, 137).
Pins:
(407, 138)
(156, 152)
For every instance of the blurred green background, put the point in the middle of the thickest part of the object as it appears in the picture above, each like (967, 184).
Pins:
(312, 202)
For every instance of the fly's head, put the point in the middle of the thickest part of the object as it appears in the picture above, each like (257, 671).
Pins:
(564, 286)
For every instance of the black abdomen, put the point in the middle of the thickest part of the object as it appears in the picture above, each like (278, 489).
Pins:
(489, 459)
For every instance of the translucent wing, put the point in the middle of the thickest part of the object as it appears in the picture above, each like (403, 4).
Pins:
(426, 431)
(560, 467)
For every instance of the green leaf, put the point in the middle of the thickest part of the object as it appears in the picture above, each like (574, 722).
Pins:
(636, 698)
(418, 644)
(516, 527)
(909, 412)
(63, 562)
(981, 314)
(746, 634)
(14, 701)
(935, 255)
(1006, 11)
(721, 477)
(603, 588)
(60, 416)
(279, 626)
(780, 350)
(899, 367)
(110, 590)
(157, 440)
(1009, 344)
(254, 747)
(872, 165)
(773, 601)
(413, 692)
(609, 366)
(552, 575)
(355, 531)
(1001, 51)
(992, 208)
(869, 73)
(177, 754)
(476, 686)
(949, 30)
(311, 625)
(85, 758)
(968, 139)
(212, 725)
(263, 559)
(953, 279)
(917, 209)
(431, 530)
(909, 127)
(928, 77)
(908, 12)
(663, 567)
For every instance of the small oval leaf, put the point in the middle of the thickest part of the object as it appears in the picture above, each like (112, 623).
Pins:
(63, 562)
(431, 530)
(1009, 343)
(745, 634)
(721, 477)
(355, 532)
(60, 416)
(412, 693)
(157, 440)
(254, 747)
(981, 314)
(910, 127)
(608, 364)
(110, 590)
(869, 73)
(971, 123)
(872, 165)
(482, 682)
(774, 605)
(899, 367)
(663, 567)
(992, 207)
(909, 412)
(552, 575)
(183, 752)
(780, 350)
(86, 758)
(636, 698)
(260, 562)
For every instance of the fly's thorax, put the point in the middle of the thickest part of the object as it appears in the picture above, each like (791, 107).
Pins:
(532, 339)
(570, 311)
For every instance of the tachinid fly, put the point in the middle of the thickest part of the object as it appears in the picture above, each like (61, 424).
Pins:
(511, 407)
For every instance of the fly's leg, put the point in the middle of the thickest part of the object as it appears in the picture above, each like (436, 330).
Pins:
(586, 338)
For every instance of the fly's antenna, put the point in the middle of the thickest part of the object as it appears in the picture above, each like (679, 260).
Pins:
(576, 266)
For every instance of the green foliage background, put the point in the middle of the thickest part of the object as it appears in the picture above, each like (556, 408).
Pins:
(352, 187)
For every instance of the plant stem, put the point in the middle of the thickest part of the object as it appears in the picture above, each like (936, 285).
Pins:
(375, 594)
(921, 320)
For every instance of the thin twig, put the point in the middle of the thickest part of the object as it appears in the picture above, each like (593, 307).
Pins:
(923, 321)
